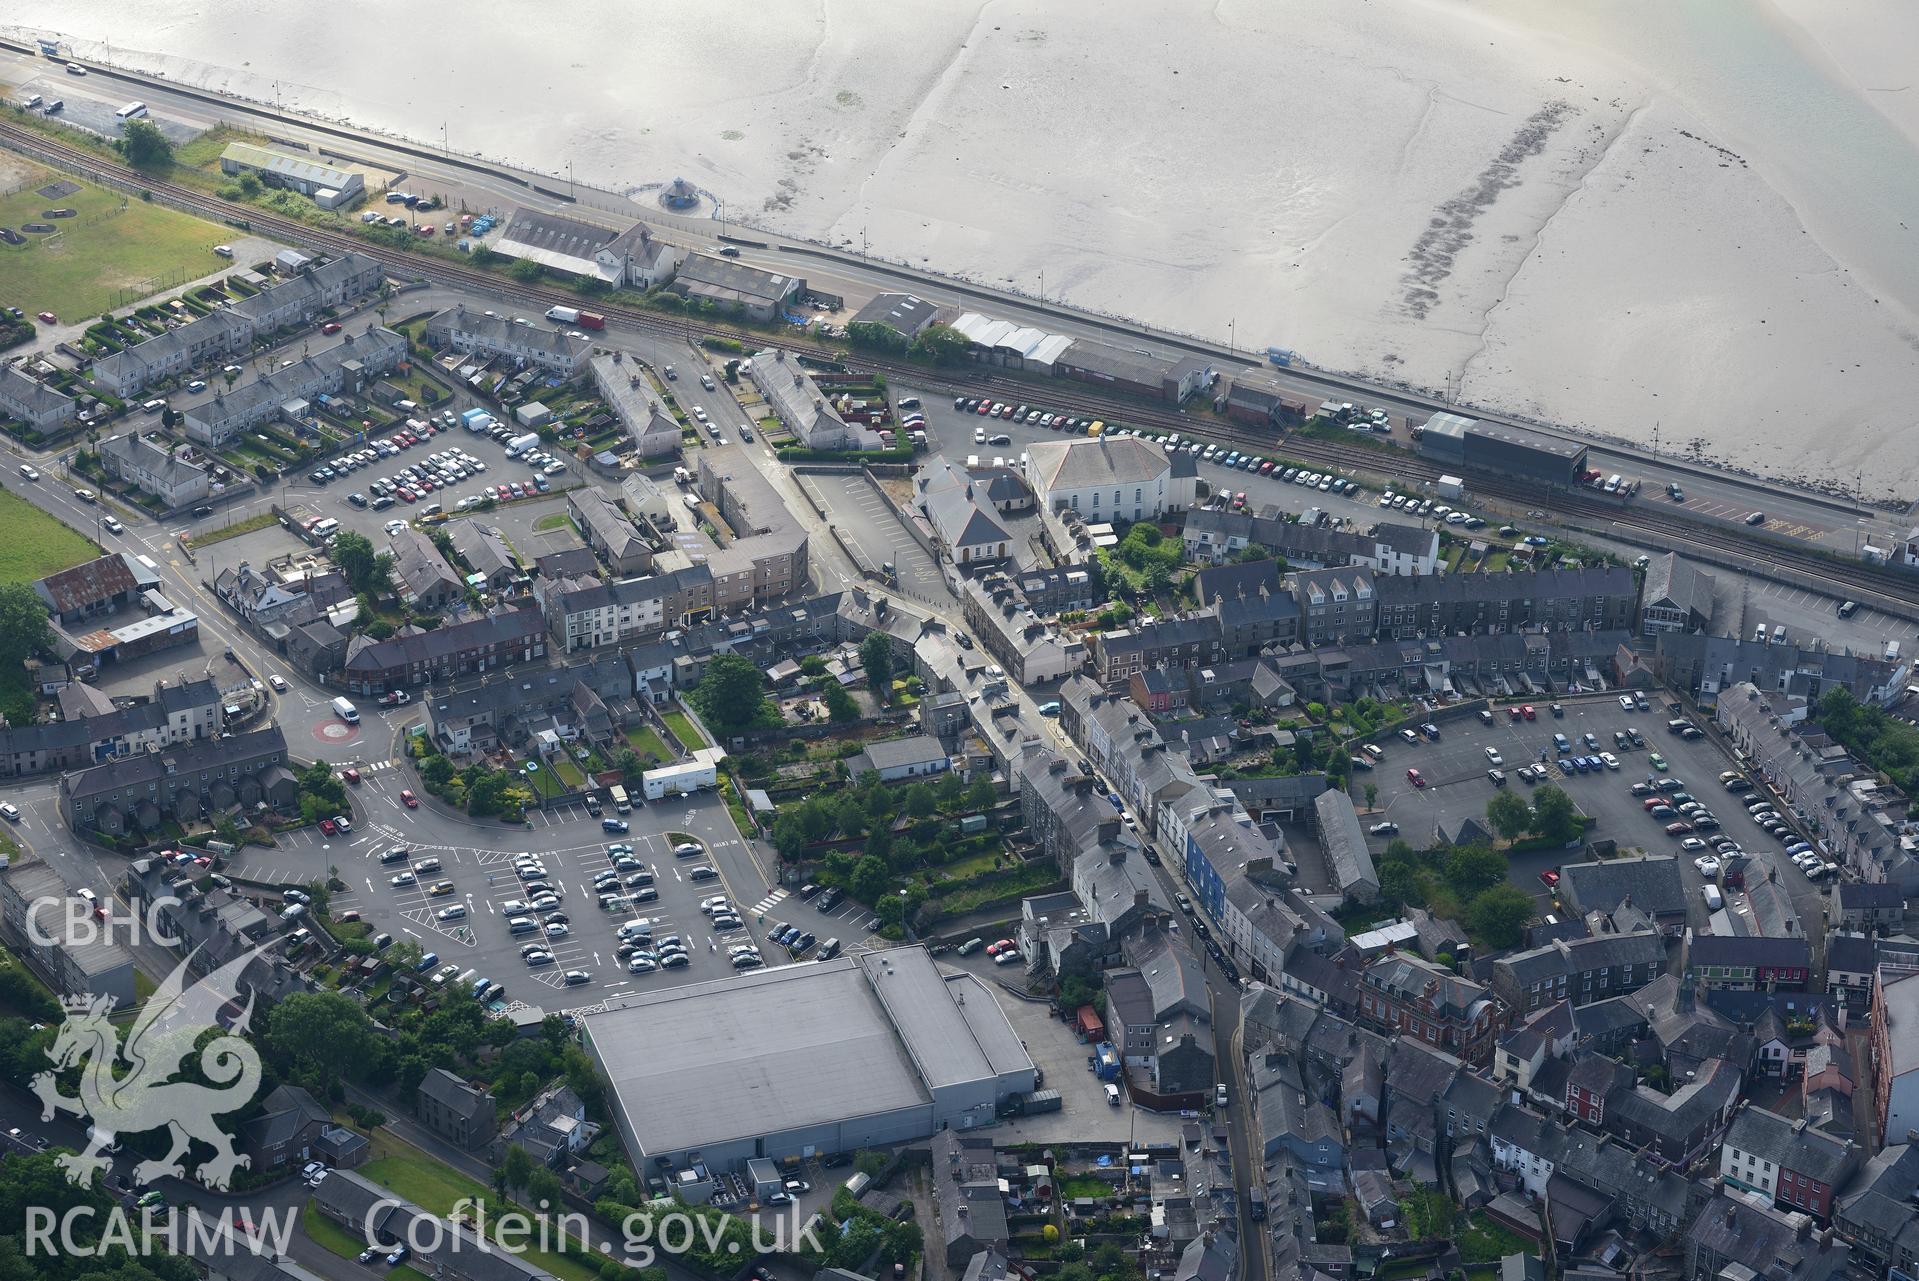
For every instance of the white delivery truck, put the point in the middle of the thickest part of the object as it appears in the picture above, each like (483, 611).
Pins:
(565, 315)
(520, 444)
(346, 711)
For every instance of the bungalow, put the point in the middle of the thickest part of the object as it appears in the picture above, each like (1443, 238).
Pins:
(917, 757)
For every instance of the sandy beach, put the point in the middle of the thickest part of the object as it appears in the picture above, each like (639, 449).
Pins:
(1689, 217)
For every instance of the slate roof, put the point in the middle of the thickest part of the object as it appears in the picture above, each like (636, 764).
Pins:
(1790, 1145)
(1652, 882)
(1859, 896)
(505, 626)
(1850, 954)
(455, 1094)
(1738, 952)
(185, 758)
(1678, 583)
(1083, 464)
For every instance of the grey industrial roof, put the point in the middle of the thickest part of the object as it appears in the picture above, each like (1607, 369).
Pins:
(904, 314)
(789, 1047)
(280, 162)
(735, 277)
(1117, 362)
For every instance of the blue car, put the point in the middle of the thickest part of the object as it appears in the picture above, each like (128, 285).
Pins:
(427, 962)
(613, 825)
(1114, 798)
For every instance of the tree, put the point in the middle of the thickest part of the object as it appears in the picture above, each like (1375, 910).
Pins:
(1372, 795)
(840, 705)
(876, 656)
(318, 1036)
(732, 694)
(870, 879)
(526, 270)
(436, 771)
(353, 553)
(1557, 820)
(919, 801)
(941, 344)
(628, 762)
(1472, 868)
(1509, 815)
(514, 1169)
(144, 146)
(980, 795)
(543, 1189)
(23, 624)
(1499, 915)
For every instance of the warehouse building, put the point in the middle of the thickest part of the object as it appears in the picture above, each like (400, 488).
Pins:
(1136, 372)
(574, 248)
(728, 283)
(1455, 441)
(797, 1060)
(328, 186)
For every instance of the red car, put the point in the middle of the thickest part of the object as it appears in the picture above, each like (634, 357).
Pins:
(1513, 714)
(985, 408)
(1414, 777)
(330, 327)
(48, 318)
(203, 861)
(328, 826)
(351, 775)
(1550, 877)
(1007, 412)
(406, 495)
(408, 799)
(1528, 712)
(1676, 829)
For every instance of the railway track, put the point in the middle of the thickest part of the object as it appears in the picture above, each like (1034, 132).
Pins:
(1655, 528)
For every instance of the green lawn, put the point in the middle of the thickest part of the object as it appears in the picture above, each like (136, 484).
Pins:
(114, 251)
(436, 1188)
(553, 520)
(682, 727)
(32, 543)
(543, 782)
(569, 772)
(646, 739)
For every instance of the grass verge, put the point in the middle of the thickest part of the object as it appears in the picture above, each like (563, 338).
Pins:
(253, 523)
(436, 1188)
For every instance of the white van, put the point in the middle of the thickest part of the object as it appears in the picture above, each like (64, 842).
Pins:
(346, 711)
(1714, 899)
(1112, 1094)
(153, 406)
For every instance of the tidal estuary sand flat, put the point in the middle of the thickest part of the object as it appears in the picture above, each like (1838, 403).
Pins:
(1694, 215)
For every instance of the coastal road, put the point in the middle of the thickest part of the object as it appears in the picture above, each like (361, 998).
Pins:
(1834, 522)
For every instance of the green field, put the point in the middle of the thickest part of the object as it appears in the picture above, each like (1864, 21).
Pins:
(114, 251)
(32, 543)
